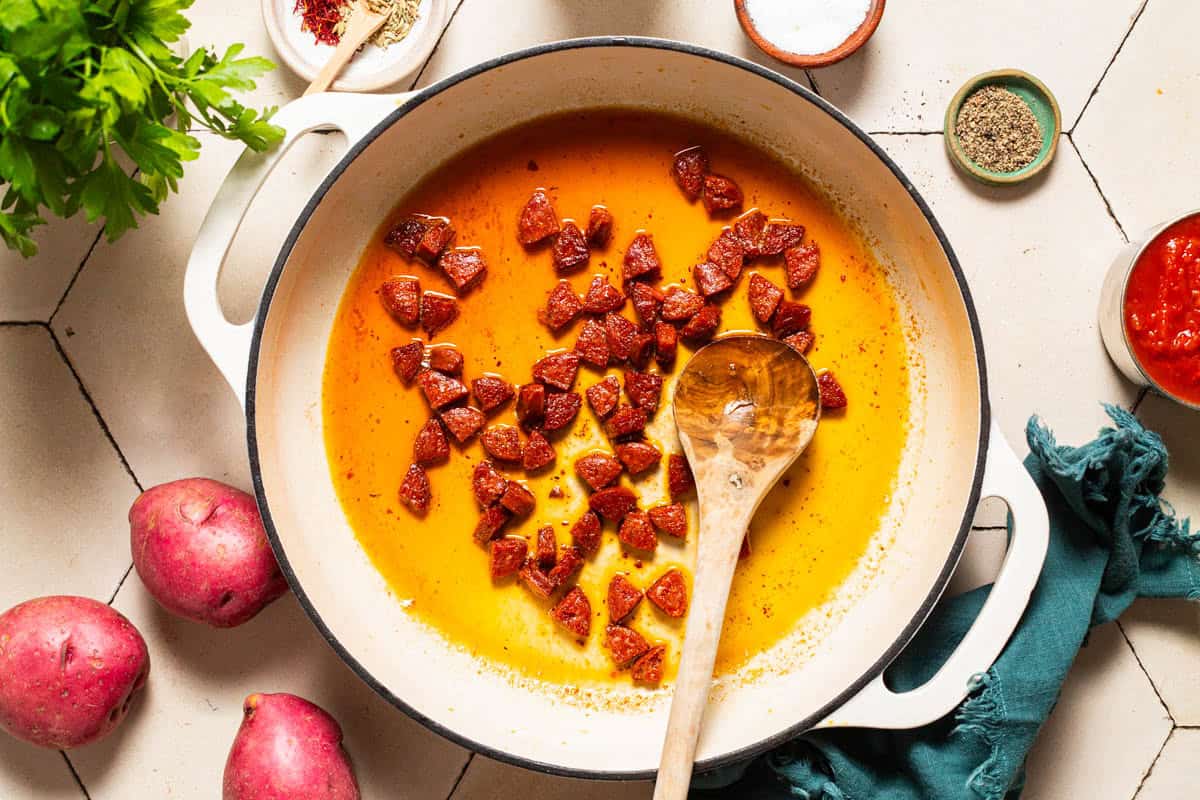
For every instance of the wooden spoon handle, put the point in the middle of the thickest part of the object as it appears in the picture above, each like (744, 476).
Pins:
(721, 533)
(360, 27)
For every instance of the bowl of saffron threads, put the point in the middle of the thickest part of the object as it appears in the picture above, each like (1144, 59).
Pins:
(1002, 127)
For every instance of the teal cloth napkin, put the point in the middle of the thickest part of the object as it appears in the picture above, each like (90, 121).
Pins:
(1112, 540)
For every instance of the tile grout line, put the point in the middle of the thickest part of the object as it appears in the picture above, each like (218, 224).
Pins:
(1096, 89)
(436, 45)
(461, 774)
(1137, 403)
(1142, 667)
(75, 277)
(812, 83)
(1107, 205)
(75, 774)
(1153, 761)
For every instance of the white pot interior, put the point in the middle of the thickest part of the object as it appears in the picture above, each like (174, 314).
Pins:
(445, 685)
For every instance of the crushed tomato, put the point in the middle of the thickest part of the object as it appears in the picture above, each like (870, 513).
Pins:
(1162, 309)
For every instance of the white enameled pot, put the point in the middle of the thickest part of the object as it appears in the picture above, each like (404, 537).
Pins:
(953, 457)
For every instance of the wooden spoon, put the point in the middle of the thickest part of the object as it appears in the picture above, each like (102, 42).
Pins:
(360, 26)
(745, 407)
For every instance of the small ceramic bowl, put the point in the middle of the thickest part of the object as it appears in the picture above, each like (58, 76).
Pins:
(1040, 101)
(811, 60)
(372, 68)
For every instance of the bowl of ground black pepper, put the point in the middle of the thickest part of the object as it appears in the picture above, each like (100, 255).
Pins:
(1002, 127)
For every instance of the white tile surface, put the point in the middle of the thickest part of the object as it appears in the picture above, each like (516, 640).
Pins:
(1105, 731)
(63, 491)
(31, 773)
(486, 779)
(1166, 637)
(1174, 774)
(177, 737)
(1138, 134)
(30, 288)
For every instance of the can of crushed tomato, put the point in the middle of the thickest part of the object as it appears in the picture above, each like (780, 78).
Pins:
(1150, 310)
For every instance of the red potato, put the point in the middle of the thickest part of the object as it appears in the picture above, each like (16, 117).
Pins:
(69, 668)
(288, 749)
(200, 549)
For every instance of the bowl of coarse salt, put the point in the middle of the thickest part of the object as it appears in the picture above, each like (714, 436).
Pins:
(809, 33)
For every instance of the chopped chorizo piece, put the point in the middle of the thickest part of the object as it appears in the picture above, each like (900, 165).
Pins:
(518, 499)
(406, 235)
(649, 666)
(538, 453)
(557, 370)
(603, 395)
(764, 298)
(688, 170)
(623, 597)
(570, 561)
(465, 267)
(440, 390)
(790, 317)
(621, 335)
(704, 325)
(598, 470)
(638, 456)
(626, 420)
(679, 476)
(585, 533)
(623, 644)
(641, 259)
(502, 442)
(832, 394)
(780, 236)
(561, 410)
(749, 229)
(406, 360)
(680, 304)
(562, 306)
(430, 447)
(721, 194)
(644, 389)
(531, 404)
(570, 250)
(802, 263)
(414, 489)
(401, 298)
(592, 344)
(613, 503)
(535, 580)
(671, 519)
(546, 552)
(437, 237)
(727, 253)
(506, 555)
(490, 523)
(437, 311)
(670, 593)
(602, 297)
(666, 342)
(710, 279)
(487, 484)
(491, 391)
(637, 532)
(574, 613)
(538, 219)
(647, 300)
(641, 350)
(446, 359)
(600, 225)
(463, 422)
(800, 342)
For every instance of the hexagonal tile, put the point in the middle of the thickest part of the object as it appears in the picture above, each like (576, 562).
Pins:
(1105, 731)
(904, 77)
(1173, 775)
(1138, 134)
(486, 779)
(63, 490)
(124, 327)
(30, 288)
(1166, 636)
(200, 676)
(31, 773)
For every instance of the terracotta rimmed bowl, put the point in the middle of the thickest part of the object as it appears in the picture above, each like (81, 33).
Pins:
(1040, 101)
(811, 60)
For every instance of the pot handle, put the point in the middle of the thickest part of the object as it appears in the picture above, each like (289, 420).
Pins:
(877, 706)
(226, 343)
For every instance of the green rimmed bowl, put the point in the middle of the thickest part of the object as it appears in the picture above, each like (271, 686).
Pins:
(1039, 99)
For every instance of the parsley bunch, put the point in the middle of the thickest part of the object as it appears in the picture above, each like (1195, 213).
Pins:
(84, 80)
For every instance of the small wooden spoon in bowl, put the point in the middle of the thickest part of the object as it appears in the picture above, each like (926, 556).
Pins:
(360, 26)
(745, 406)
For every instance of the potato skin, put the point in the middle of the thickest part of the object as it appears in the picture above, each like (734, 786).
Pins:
(201, 551)
(288, 749)
(69, 668)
